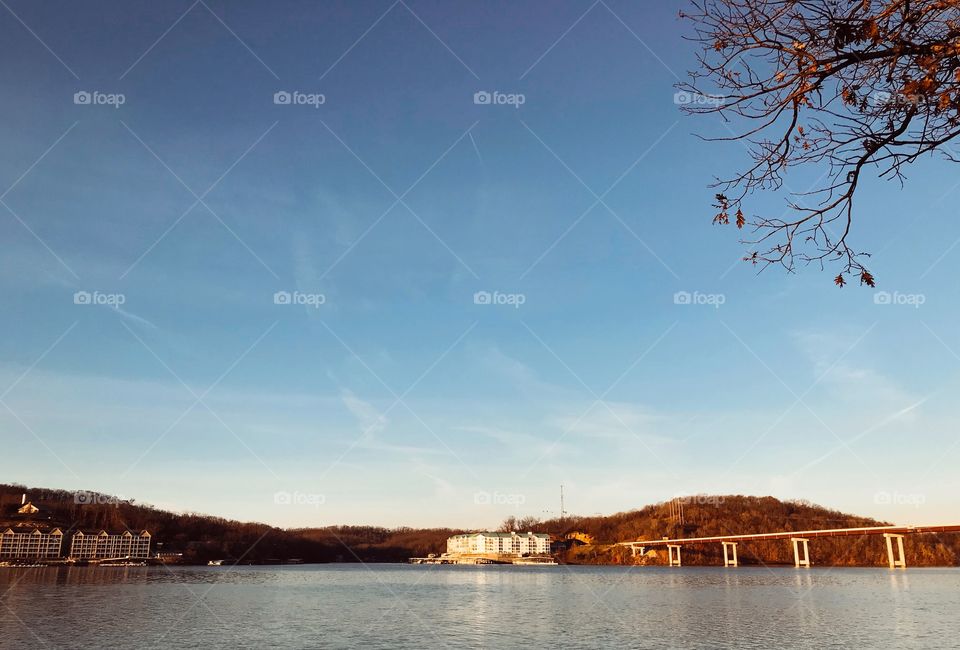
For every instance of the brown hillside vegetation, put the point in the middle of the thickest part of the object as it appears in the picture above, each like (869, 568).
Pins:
(706, 516)
(201, 538)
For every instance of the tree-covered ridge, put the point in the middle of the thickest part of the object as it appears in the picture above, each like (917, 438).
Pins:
(708, 516)
(202, 537)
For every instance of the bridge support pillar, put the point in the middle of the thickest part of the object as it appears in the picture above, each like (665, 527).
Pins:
(898, 560)
(670, 550)
(728, 559)
(797, 560)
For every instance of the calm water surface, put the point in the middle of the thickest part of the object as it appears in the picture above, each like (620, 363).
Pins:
(380, 606)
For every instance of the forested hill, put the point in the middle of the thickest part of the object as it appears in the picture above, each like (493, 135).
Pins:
(201, 538)
(707, 516)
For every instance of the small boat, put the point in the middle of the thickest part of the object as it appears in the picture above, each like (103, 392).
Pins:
(215, 563)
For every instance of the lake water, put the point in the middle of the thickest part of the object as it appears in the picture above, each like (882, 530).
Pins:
(356, 606)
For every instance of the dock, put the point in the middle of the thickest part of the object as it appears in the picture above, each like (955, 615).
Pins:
(451, 558)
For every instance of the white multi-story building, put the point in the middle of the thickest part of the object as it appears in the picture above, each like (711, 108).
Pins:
(103, 545)
(490, 543)
(30, 544)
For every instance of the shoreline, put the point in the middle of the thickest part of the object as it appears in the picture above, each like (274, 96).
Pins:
(398, 563)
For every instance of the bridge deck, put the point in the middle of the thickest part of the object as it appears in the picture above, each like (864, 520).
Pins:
(832, 532)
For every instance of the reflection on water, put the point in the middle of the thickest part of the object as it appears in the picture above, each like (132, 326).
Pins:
(477, 606)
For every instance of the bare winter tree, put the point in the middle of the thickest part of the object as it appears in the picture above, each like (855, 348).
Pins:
(857, 86)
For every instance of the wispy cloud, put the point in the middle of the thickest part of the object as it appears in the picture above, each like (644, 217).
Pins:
(370, 419)
(139, 320)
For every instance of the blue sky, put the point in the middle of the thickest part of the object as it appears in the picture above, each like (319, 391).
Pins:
(399, 400)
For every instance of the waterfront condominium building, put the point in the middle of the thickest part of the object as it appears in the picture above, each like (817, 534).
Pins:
(490, 543)
(33, 543)
(103, 545)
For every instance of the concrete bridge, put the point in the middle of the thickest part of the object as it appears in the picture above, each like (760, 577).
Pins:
(799, 539)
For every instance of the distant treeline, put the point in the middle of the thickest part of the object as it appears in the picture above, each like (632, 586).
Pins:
(201, 538)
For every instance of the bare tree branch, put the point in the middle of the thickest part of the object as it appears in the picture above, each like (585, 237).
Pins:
(854, 85)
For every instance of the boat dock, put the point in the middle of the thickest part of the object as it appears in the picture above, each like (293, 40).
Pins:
(450, 558)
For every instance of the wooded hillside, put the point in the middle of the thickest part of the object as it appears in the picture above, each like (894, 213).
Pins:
(706, 516)
(201, 537)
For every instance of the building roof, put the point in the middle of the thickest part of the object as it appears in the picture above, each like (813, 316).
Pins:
(103, 533)
(35, 531)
